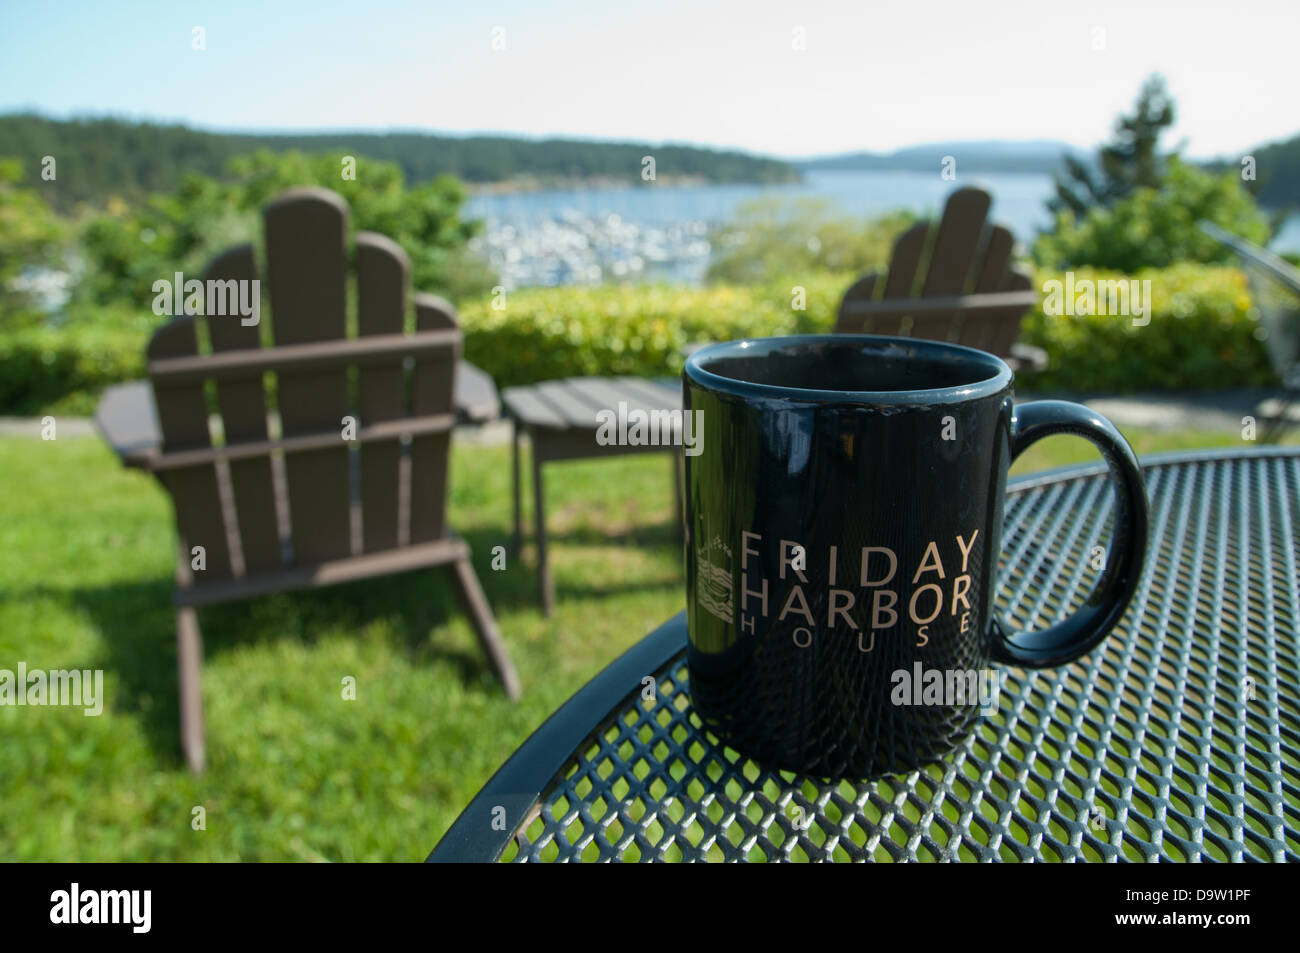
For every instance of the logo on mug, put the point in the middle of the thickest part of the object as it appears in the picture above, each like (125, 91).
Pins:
(715, 590)
(864, 589)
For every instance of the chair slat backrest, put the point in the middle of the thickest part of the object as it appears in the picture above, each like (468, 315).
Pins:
(432, 392)
(901, 280)
(956, 244)
(995, 262)
(1001, 328)
(306, 250)
(243, 414)
(402, 501)
(183, 417)
(965, 256)
(994, 331)
(862, 290)
(383, 273)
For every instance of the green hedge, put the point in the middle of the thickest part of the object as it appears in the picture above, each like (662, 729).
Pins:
(63, 370)
(544, 333)
(1202, 336)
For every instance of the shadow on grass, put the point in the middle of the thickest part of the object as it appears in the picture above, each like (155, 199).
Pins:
(518, 588)
(137, 624)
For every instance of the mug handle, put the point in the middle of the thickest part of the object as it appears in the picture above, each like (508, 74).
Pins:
(1083, 631)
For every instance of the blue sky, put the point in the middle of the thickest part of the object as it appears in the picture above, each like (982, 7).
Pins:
(871, 74)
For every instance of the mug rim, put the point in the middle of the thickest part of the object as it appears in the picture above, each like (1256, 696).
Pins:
(975, 390)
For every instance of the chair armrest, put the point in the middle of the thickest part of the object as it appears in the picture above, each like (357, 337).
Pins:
(318, 440)
(967, 304)
(476, 397)
(1026, 357)
(128, 422)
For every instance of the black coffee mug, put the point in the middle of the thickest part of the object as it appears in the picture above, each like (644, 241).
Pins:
(844, 522)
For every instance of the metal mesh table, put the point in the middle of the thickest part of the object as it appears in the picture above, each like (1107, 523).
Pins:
(1178, 738)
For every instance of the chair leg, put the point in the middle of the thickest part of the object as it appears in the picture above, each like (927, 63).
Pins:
(189, 660)
(515, 436)
(485, 625)
(544, 580)
(1276, 425)
(679, 515)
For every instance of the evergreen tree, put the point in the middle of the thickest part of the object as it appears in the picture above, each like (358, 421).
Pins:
(1128, 162)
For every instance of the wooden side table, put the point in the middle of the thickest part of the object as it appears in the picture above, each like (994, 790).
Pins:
(562, 419)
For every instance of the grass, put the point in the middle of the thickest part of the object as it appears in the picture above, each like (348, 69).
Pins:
(295, 771)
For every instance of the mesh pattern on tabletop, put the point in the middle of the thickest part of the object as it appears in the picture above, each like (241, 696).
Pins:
(1150, 747)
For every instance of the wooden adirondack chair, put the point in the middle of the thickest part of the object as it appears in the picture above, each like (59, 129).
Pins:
(264, 531)
(950, 283)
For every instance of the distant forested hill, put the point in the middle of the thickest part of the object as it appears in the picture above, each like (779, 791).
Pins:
(101, 157)
(1277, 173)
(1041, 156)
(1277, 166)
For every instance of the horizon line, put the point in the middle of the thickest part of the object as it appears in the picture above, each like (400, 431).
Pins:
(792, 159)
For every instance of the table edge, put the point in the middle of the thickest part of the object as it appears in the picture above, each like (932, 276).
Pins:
(519, 782)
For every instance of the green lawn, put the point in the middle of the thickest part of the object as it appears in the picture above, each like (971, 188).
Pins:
(296, 772)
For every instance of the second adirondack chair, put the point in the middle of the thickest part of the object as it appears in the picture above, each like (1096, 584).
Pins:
(325, 500)
(953, 281)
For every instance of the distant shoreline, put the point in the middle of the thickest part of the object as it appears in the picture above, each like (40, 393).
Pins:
(524, 184)
(528, 184)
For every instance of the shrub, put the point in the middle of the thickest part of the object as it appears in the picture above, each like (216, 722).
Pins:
(1155, 228)
(1201, 336)
(545, 333)
(128, 248)
(49, 369)
(31, 239)
(1202, 333)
